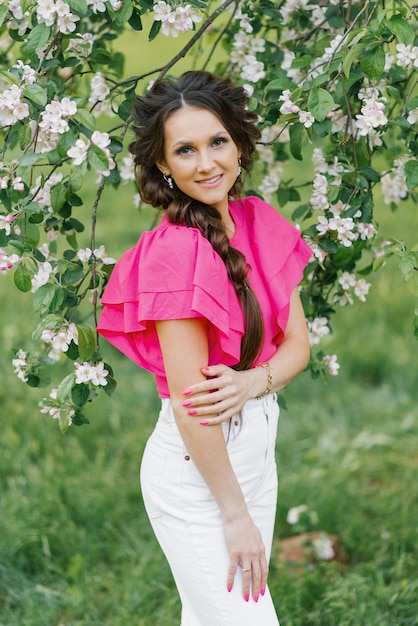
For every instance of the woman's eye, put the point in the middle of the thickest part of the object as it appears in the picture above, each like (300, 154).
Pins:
(184, 150)
(219, 141)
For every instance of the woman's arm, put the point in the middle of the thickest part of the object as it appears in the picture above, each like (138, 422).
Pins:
(184, 346)
(225, 391)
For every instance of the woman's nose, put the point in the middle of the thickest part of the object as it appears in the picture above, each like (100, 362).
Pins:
(204, 162)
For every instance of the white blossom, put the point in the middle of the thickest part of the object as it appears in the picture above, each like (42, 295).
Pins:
(317, 329)
(252, 70)
(42, 276)
(406, 55)
(98, 88)
(332, 363)
(79, 151)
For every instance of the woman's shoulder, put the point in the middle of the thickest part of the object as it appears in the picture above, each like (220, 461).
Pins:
(262, 216)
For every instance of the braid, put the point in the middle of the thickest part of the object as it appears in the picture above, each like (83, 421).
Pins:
(208, 221)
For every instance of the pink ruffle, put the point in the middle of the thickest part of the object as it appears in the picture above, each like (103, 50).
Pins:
(172, 273)
(279, 249)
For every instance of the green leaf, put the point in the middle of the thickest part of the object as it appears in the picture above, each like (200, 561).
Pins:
(85, 119)
(402, 29)
(78, 6)
(349, 58)
(111, 385)
(25, 135)
(32, 235)
(59, 195)
(124, 13)
(370, 174)
(279, 84)
(411, 173)
(65, 387)
(77, 176)
(124, 110)
(80, 394)
(72, 276)
(320, 103)
(86, 342)
(36, 40)
(36, 94)
(43, 298)
(155, 29)
(97, 159)
(22, 278)
(135, 20)
(30, 158)
(3, 13)
(328, 245)
(408, 265)
(296, 134)
(373, 62)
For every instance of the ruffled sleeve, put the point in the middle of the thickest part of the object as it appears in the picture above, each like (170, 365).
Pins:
(280, 253)
(172, 273)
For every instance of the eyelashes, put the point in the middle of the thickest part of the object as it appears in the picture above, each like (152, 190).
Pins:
(216, 143)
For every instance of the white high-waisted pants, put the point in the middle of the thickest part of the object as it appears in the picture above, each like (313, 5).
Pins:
(187, 522)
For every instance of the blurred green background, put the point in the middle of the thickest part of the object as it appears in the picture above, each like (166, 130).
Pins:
(76, 547)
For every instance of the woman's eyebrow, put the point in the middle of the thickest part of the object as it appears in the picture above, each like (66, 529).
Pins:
(184, 142)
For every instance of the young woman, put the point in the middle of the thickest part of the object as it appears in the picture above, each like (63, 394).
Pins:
(208, 302)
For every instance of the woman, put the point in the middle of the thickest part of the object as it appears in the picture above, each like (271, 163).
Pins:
(208, 302)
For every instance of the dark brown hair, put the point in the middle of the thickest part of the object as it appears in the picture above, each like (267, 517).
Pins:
(229, 103)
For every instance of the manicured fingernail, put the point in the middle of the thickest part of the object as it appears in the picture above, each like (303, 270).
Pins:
(229, 588)
(247, 597)
(192, 412)
(204, 423)
(187, 403)
(256, 597)
(186, 392)
(263, 591)
(205, 369)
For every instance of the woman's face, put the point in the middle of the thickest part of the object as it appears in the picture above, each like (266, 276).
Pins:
(200, 156)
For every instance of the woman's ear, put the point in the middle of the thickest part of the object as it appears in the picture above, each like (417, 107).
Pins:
(163, 168)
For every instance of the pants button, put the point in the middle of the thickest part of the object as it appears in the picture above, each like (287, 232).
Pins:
(187, 458)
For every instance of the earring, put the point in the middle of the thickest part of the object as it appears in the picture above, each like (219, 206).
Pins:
(169, 180)
(239, 168)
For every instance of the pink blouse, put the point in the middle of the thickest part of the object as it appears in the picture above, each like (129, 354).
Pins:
(174, 273)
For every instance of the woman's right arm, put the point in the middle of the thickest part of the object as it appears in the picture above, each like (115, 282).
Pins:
(184, 346)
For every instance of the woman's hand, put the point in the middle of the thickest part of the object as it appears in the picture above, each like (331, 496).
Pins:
(221, 396)
(246, 549)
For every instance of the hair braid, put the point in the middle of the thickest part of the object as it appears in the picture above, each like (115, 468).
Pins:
(209, 222)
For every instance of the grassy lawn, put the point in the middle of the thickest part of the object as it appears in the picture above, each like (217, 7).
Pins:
(76, 548)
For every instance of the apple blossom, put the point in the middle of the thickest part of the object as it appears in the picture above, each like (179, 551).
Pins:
(332, 364)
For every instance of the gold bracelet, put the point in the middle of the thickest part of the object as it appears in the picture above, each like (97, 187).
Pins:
(267, 390)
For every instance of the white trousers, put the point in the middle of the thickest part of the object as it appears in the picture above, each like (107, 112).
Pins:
(187, 522)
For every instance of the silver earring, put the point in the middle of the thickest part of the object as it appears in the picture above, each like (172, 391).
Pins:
(169, 181)
(239, 168)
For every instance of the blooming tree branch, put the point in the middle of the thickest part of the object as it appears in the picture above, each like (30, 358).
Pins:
(333, 85)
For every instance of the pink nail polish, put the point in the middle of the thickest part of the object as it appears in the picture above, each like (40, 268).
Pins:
(186, 392)
(187, 403)
(204, 423)
(263, 591)
(256, 596)
(229, 588)
(192, 412)
(247, 597)
(205, 369)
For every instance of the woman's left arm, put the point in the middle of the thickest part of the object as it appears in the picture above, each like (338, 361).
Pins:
(225, 391)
